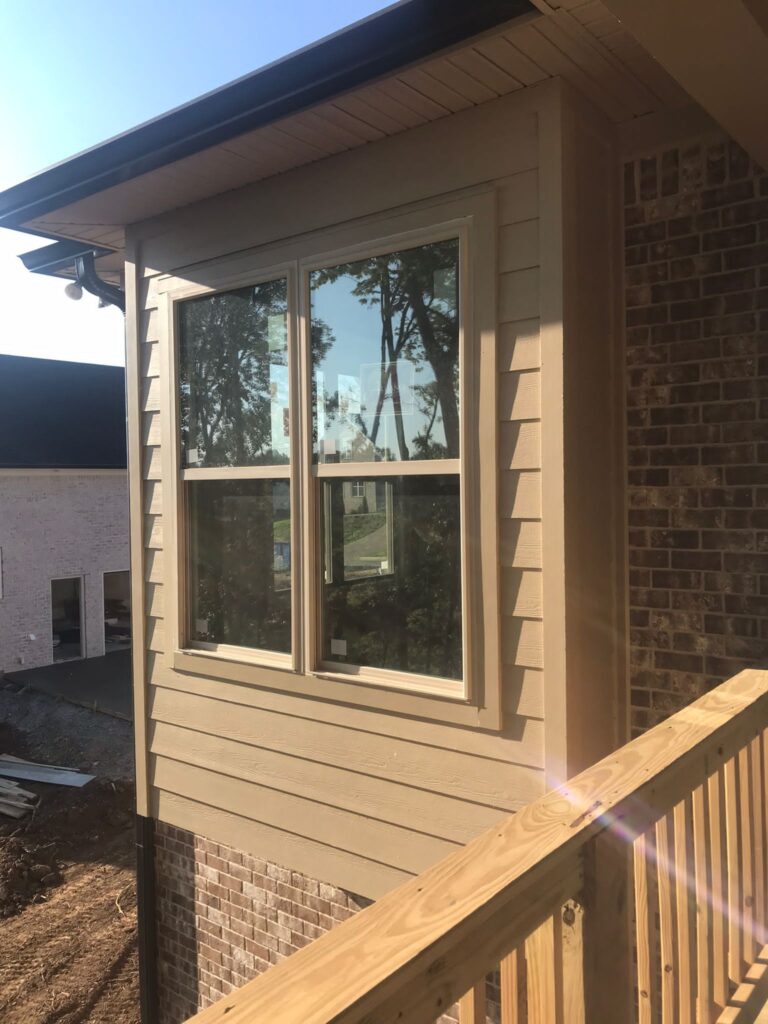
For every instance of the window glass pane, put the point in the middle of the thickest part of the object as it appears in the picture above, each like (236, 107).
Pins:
(233, 374)
(385, 357)
(392, 574)
(240, 563)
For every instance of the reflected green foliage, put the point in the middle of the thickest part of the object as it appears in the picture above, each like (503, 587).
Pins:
(231, 359)
(414, 327)
(239, 571)
(407, 619)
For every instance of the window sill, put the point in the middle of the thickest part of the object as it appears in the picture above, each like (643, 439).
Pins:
(399, 694)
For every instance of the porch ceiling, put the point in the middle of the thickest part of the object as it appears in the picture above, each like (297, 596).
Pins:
(578, 40)
(717, 50)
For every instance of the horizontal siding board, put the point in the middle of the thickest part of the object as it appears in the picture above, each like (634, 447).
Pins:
(150, 428)
(523, 692)
(153, 497)
(149, 326)
(361, 835)
(149, 395)
(155, 635)
(491, 745)
(520, 445)
(443, 771)
(521, 495)
(520, 395)
(453, 820)
(519, 246)
(149, 359)
(521, 544)
(518, 197)
(152, 468)
(519, 294)
(153, 532)
(522, 642)
(154, 600)
(153, 567)
(521, 593)
(519, 345)
(367, 877)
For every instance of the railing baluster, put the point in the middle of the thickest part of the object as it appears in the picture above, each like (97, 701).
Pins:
(718, 886)
(702, 871)
(747, 854)
(733, 873)
(543, 955)
(758, 822)
(686, 958)
(509, 984)
(644, 851)
(571, 925)
(669, 981)
(472, 1004)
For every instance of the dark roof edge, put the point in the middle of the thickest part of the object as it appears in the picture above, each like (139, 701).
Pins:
(399, 35)
(52, 258)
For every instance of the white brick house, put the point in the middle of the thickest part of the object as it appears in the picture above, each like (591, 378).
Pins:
(63, 511)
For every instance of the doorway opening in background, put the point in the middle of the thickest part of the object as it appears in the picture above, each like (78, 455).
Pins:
(67, 618)
(117, 611)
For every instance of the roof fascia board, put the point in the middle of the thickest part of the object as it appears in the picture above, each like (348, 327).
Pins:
(398, 36)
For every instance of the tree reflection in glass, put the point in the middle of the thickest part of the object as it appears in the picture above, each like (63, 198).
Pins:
(240, 563)
(386, 382)
(392, 574)
(233, 372)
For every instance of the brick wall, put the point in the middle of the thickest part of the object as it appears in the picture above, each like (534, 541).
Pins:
(56, 524)
(696, 220)
(225, 916)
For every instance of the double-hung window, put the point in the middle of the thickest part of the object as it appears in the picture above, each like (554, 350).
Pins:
(324, 474)
(235, 445)
(386, 438)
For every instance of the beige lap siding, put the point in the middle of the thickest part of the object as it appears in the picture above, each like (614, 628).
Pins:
(361, 797)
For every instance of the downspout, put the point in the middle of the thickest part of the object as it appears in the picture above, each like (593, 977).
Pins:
(86, 276)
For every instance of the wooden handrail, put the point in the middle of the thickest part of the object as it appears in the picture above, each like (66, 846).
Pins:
(422, 947)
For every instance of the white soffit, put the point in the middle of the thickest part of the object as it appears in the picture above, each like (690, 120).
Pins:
(578, 40)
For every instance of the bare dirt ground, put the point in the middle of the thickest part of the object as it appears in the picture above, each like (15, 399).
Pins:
(67, 883)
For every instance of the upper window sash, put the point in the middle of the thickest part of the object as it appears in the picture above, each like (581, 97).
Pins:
(233, 366)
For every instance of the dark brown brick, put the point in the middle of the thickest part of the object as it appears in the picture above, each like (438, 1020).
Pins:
(728, 194)
(681, 662)
(726, 238)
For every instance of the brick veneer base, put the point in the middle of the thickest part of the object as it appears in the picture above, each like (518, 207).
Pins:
(224, 916)
(696, 245)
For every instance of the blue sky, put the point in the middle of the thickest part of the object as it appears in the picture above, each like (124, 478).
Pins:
(72, 75)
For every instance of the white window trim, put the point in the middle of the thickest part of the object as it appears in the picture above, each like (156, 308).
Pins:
(476, 699)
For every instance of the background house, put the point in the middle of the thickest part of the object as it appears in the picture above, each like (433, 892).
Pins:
(64, 580)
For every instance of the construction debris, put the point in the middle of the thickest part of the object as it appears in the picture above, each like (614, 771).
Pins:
(15, 802)
(16, 768)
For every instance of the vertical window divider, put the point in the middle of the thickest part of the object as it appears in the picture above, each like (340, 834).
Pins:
(310, 562)
(297, 421)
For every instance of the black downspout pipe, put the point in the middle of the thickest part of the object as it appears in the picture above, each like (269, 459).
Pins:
(147, 926)
(85, 269)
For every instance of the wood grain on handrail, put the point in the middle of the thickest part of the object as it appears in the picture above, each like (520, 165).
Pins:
(411, 955)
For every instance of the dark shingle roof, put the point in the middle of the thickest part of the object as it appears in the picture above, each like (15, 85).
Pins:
(59, 415)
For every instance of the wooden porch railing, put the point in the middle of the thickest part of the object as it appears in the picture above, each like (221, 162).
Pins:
(634, 892)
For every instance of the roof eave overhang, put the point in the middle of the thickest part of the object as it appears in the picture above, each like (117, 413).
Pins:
(400, 35)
